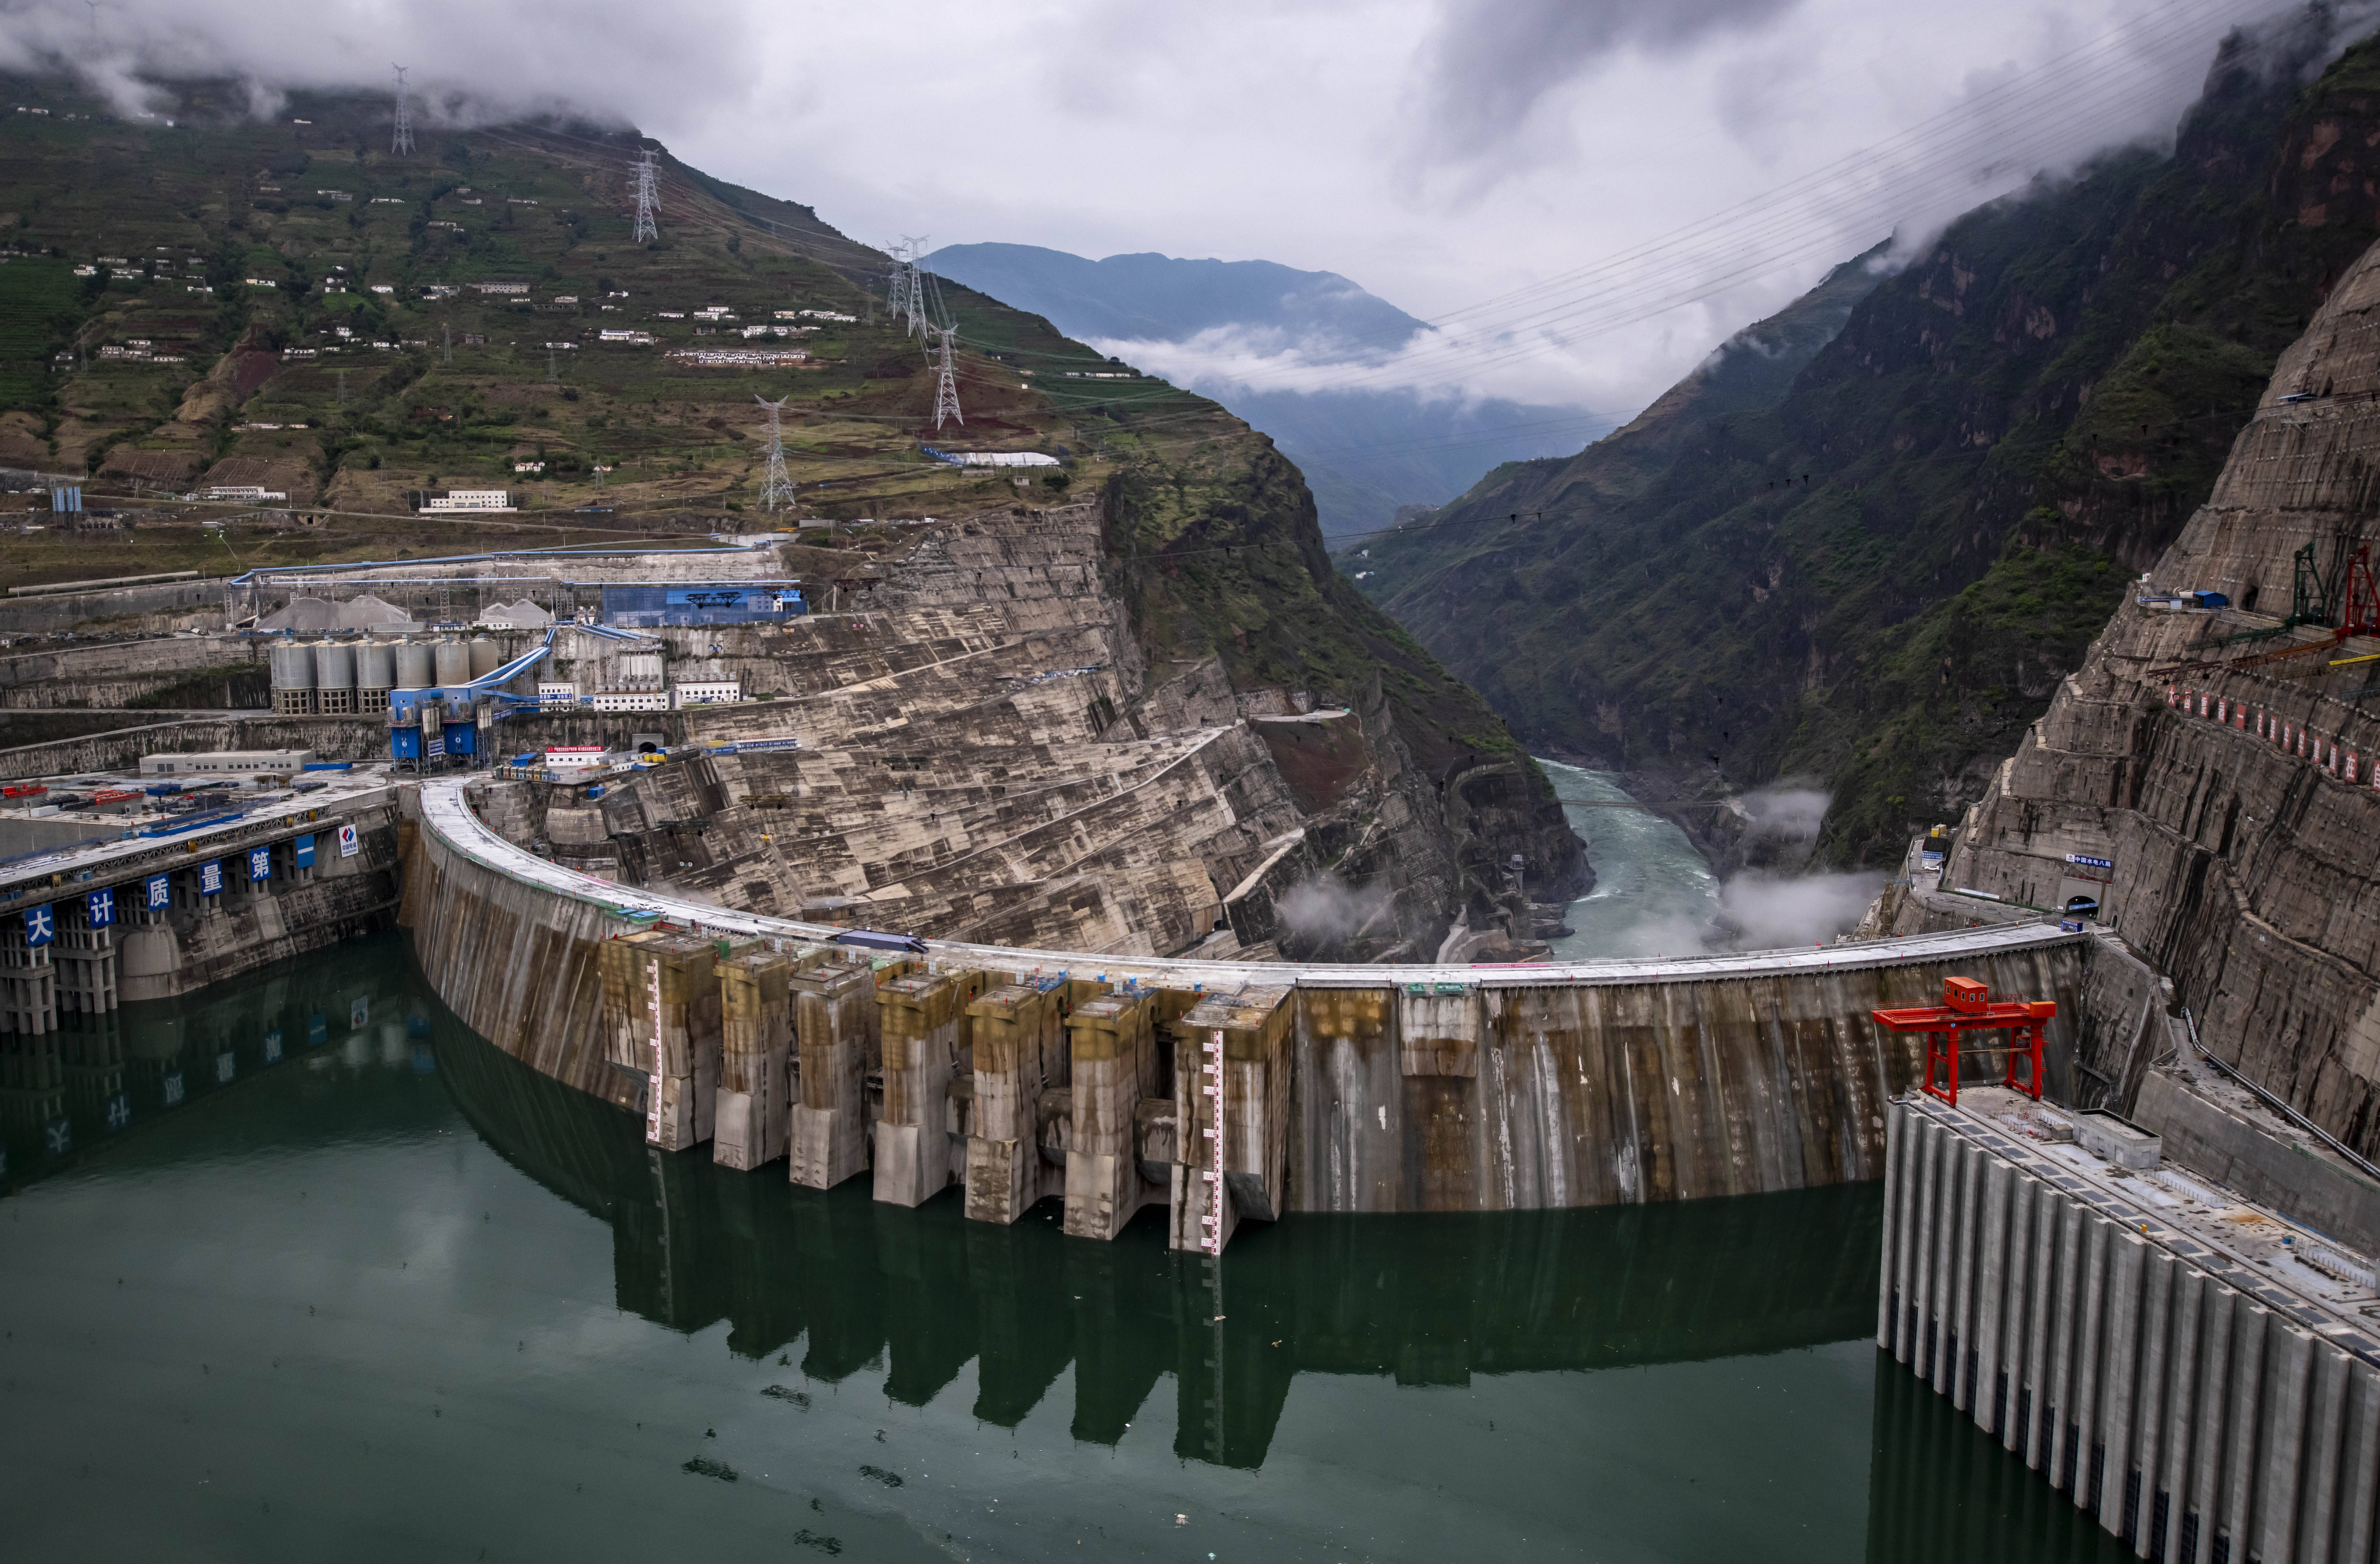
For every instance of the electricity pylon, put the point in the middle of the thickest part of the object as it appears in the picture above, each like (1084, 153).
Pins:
(946, 382)
(648, 198)
(776, 486)
(402, 145)
(914, 303)
(896, 283)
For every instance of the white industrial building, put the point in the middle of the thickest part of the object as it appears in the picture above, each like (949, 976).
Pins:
(476, 500)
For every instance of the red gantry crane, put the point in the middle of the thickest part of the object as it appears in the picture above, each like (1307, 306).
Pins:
(1968, 1006)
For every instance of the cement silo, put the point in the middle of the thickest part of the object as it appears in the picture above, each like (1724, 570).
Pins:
(414, 670)
(334, 679)
(375, 676)
(454, 662)
(293, 679)
(486, 657)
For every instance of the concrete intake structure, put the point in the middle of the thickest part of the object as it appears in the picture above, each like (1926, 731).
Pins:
(2201, 1376)
(1341, 1087)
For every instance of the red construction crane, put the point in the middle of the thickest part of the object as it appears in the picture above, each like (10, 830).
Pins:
(1968, 1006)
(2360, 614)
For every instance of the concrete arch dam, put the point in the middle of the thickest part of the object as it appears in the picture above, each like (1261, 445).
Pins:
(1220, 1090)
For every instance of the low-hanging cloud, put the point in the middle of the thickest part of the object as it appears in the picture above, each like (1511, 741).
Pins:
(1754, 911)
(1487, 63)
(1325, 910)
(469, 62)
(1788, 811)
(1770, 911)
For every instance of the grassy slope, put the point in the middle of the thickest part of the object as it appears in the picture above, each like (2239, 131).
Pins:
(1880, 578)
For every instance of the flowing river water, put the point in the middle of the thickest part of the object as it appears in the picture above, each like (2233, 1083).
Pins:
(1654, 894)
(305, 1269)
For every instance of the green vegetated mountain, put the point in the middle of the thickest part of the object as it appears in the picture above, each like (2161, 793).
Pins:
(1876, 569)
(205, 299)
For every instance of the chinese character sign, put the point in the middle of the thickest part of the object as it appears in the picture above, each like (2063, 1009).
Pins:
(41, 926)
(305, 845)
(160, 893)
(102, 905)
(211, 878)
(260, 863)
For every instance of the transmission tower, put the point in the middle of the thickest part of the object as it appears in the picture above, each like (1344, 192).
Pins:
(648, 197)
(915, 304)
(776, 488)
(946, 382)
(896, 281)
(402, 146)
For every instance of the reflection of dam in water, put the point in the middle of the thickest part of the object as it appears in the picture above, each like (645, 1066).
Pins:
(66, 1091)
(1426, 1300)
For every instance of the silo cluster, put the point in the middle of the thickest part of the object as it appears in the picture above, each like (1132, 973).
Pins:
(331, 678)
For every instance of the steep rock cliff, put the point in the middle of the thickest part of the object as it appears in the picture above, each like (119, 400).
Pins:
(2224, 763)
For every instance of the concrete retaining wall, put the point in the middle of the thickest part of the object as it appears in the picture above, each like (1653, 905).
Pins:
(164, 600)
(2253, 1155)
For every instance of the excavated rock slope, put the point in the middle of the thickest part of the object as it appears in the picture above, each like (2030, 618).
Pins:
(2230, 782)
(982, 756)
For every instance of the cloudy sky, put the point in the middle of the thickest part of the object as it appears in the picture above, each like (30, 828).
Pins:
(1584, 195)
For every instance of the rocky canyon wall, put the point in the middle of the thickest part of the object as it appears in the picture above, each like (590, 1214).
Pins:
(2222, 764)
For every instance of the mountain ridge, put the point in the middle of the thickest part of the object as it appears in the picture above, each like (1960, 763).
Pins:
(1878, 580)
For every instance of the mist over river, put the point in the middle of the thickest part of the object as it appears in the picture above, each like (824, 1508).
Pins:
(300, 1268)
(1655, 894)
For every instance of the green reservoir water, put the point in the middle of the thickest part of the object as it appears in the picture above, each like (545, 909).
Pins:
(319, 1275)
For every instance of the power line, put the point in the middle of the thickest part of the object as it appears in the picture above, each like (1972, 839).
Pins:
(1767, 235)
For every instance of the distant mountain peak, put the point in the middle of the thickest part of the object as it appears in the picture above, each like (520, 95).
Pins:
(1143, 296)
(1365, 450)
